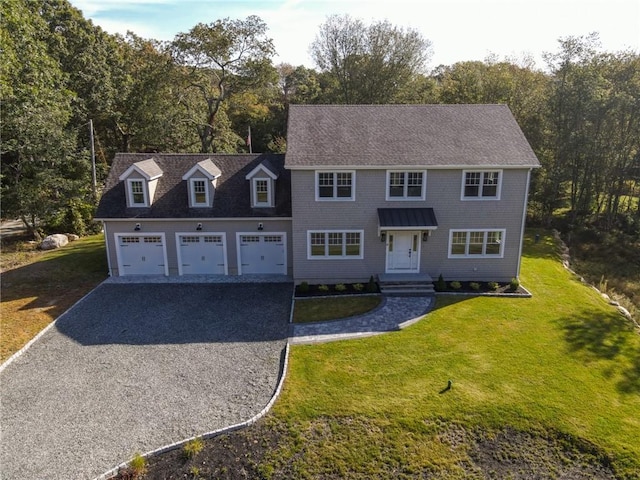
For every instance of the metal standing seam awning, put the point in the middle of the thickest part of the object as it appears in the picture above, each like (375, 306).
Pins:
(406, 219)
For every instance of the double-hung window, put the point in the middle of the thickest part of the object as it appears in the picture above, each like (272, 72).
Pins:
(476, 243)
(334, 244)
(137, 193)
(481, 185)
(335, 185)
(405, 185)
(199, 194)
(261, 192)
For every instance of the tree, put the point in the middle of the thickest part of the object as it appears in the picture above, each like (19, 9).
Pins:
(371, 64)
(217, 58)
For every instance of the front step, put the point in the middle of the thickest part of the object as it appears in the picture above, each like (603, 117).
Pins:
(406, 285)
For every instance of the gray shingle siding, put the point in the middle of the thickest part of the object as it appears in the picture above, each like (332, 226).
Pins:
(442, 194)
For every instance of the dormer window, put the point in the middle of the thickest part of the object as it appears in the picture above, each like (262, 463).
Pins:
(201, 182)
(261, 192)
(199, 193)
(138, 197)
(262, 180)
(141, 182)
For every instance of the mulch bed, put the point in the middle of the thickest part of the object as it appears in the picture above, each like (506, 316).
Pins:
(330, 290)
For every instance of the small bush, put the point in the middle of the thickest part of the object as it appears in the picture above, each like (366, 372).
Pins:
(493, 286)
(475, 286)
(323, 288)
(371, 286)
(514, 284)
(456, 285)
(341, 287)
(358, 287)
(303, 287)
(193, 447)
(138, 466)
(441, 285)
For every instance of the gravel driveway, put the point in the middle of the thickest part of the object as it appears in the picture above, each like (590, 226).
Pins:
(133, 367)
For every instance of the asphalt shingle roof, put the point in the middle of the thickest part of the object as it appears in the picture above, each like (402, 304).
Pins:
(232, 197)
(406, 135)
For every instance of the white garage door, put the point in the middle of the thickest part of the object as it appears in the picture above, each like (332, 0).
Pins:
(202, 254)
(262, 253)
(141, 254)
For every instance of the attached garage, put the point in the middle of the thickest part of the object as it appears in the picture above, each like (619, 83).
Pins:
(141, 254)
(264, 253)
(201, 254)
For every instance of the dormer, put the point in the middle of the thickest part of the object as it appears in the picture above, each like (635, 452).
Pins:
(201, 183)
(262, 185)
(141, 181)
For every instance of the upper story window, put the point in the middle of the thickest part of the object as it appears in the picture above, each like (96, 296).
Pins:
(406, 185)
(137, 193)
(262, 192)
(481, 185)
(199, 192)
(335, 185)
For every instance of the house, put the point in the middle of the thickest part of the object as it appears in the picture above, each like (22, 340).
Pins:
(383, 190)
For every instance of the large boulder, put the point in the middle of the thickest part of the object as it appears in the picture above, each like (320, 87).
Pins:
(51, 242)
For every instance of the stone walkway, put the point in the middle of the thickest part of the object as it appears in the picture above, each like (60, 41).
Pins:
(393, 314)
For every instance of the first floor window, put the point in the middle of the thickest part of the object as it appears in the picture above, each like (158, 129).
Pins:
(476, 243)
(335, 244)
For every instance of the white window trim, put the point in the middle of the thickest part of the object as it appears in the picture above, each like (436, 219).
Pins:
(335, 257)
(405, 198)
(254, 192)
(484, 242)
(480, 198)
(335, 186)
(192, 191)
(145, 186)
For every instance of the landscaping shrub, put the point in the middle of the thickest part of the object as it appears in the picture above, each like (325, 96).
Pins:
(474, 286)
(303, 287)
(341, 287)
(514, 284)
(371, 286)
(456, 285)
(441, 285)
(358, 287)
(192, 447)
(493, 286)
(323, 288)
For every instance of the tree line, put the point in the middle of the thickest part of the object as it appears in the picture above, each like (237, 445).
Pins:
(203, 90)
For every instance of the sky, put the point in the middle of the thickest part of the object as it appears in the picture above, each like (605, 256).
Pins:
(459, 30)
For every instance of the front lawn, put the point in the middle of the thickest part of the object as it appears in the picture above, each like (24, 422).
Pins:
(321, 309)
(561, 364)
(39, 286)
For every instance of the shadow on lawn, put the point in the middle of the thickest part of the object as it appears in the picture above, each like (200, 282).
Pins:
(606, 336)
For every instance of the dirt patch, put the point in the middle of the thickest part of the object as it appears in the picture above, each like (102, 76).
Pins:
(271, 449)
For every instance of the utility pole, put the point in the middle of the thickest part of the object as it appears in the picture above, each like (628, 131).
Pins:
(93, 162)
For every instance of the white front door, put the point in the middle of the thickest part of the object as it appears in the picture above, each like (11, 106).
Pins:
(403, 252)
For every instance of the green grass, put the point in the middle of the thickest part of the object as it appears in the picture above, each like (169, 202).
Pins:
(321, 309)
(38, 286)
(563, 361)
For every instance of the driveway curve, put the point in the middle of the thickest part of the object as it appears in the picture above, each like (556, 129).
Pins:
(133, 367)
